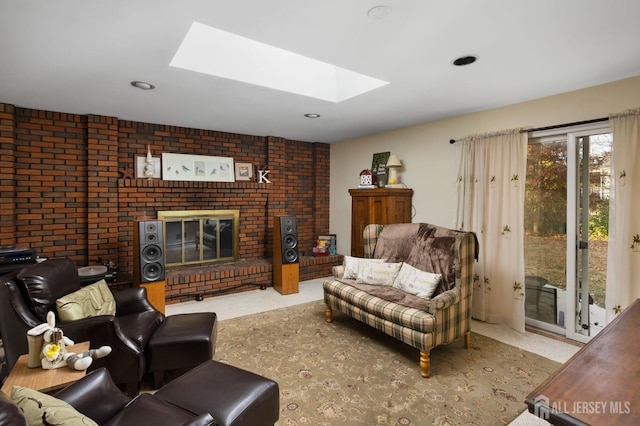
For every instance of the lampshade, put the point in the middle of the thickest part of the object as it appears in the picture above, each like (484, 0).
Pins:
(394, 161)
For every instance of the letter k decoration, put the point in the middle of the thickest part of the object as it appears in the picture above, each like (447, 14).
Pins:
(261, 174)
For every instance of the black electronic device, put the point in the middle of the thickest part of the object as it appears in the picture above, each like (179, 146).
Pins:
(286, 239)
(148, 264)
(286, 267)
(91, 274)
(10, 255)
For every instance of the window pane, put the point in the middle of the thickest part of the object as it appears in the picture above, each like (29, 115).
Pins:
(545, 223)
(226, 238)
(173, 243)
(191, 240)
(210, 239)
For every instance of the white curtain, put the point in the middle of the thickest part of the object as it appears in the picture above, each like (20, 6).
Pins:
(490, 182)
(623, 263)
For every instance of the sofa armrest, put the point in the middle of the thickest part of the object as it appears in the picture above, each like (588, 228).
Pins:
(95, 396)
(132, 301)
(126, 360)
(444, 300)
(338, 271)
(99, 330)
(10, 414)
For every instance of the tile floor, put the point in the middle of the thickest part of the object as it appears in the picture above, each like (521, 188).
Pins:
(251, 302)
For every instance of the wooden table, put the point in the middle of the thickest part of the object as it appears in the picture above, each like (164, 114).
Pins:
(600, 384)
(43, 380)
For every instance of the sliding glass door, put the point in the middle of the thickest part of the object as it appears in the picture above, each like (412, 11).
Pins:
(545, 241)
(591, 206)
(566, 223)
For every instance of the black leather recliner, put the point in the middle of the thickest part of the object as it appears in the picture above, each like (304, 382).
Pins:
(97, 397)
(28, 294)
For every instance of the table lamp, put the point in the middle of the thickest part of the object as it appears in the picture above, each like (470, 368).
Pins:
(393, 164)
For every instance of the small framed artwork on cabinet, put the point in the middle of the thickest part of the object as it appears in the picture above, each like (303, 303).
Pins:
(244, 171)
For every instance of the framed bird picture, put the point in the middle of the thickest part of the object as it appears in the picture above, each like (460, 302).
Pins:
(202, 168)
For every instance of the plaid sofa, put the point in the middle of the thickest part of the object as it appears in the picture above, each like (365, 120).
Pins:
(423, 324)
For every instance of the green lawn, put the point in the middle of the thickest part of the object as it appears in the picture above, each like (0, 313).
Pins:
(545, 256)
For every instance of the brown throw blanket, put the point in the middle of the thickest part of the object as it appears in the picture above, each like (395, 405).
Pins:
(391, 294)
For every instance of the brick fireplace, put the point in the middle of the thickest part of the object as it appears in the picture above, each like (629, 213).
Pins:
(68, 190)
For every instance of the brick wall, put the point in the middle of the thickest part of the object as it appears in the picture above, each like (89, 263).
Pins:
(69, 190)
(51, 183)
(7, 175)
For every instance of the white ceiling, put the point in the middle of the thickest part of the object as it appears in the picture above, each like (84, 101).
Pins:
(79, 56)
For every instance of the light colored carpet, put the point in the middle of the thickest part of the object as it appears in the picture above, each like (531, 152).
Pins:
(248, 303)
(347, 373)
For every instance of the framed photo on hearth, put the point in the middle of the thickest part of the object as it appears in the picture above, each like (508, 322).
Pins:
(329, 242)
(244, 171)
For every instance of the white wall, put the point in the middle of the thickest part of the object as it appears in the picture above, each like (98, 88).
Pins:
(429, 160)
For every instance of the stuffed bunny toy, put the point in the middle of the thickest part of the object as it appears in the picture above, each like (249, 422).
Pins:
(54, 349)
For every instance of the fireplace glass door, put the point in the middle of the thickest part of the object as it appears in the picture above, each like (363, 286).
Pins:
(196, 237)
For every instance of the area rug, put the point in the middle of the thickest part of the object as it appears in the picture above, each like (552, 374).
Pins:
(347, 373)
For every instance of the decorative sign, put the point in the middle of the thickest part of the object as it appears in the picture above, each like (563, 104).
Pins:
(197, 168)
(366, 178)
(261, 174)
(379, 167)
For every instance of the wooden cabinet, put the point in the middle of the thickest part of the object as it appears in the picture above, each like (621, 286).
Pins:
(378, 205)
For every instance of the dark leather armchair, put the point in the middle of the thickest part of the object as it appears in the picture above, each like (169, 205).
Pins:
(27, 295)
(97, 397)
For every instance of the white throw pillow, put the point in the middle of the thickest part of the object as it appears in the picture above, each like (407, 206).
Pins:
(352, 264)
(417, 282)
(380, 273)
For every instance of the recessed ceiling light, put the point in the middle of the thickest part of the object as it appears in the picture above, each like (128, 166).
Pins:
(465, 60)
(143, 85)
(312, 115)
(379, 12)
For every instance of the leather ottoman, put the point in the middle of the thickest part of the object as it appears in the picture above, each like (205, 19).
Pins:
(231, 395)
(181, 342)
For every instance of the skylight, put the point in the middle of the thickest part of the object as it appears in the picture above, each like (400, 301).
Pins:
(215, 52)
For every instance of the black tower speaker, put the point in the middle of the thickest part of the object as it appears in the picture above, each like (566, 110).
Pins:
(148, 265)
(286, 241)
(286, 268)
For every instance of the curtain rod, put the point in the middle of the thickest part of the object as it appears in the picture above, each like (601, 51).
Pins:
(556, 126)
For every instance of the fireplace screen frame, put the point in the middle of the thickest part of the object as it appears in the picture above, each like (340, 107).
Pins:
(196, 237)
